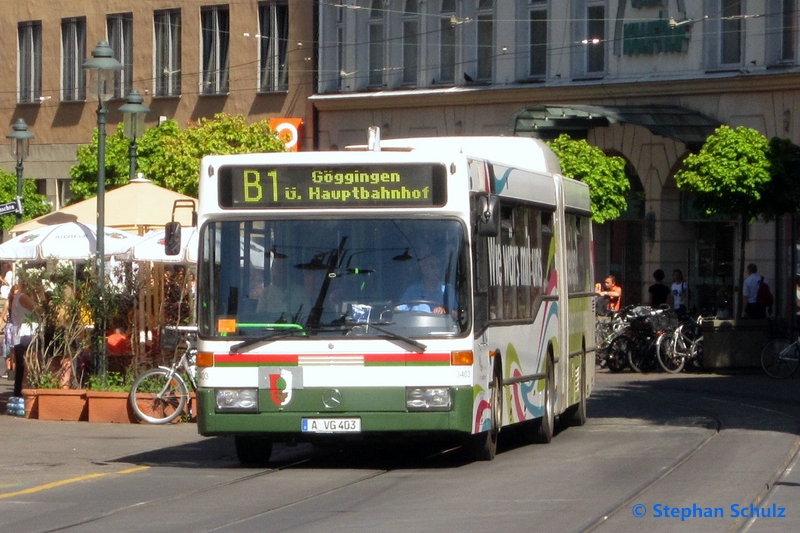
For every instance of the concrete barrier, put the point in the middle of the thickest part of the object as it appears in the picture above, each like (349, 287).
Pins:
(733, 344)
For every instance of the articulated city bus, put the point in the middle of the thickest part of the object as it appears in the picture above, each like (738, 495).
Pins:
(432, 286)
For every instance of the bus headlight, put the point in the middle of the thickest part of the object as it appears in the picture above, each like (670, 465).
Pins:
(238, 400)
(428, 399)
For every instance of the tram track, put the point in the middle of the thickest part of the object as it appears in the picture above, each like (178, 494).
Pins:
(356, 473)
(255, 476)
(740, 525)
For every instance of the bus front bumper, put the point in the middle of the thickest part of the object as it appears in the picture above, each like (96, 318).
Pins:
(377, 410)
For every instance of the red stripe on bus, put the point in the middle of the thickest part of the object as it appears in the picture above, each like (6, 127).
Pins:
(238, 358)
(293, 359)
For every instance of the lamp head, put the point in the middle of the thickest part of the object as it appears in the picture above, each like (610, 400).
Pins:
(103, 65)
(20, 139)
(133, 112)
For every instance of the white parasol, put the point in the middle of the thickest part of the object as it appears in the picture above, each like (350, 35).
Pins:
(151, 248)
(69, 241)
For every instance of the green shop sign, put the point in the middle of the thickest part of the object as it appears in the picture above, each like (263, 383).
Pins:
(653, 37)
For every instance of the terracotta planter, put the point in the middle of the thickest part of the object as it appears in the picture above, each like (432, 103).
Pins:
(61, 404)
(31, 403)
(110, 407)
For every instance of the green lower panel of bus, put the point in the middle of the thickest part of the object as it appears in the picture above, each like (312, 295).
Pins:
(377, 410)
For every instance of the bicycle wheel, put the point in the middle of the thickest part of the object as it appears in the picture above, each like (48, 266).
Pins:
(638, 354)
(665, 351)
(158, 396)
(779, 358)
(617, 354)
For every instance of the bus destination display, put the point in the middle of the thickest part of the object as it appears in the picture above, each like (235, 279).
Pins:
(298, 186)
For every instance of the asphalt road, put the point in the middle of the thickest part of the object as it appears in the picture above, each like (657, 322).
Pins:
(687, 452)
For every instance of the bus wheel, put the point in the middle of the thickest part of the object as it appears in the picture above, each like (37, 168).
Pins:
(546, 426)
(483, 446)
(575, 415)
(253, 451)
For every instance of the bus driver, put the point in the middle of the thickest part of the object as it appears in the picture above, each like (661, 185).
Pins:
(429, 295)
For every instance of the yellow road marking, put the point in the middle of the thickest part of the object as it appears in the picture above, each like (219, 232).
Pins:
(55, 484)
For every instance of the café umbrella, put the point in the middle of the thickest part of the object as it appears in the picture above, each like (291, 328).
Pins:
(67, 241)
(151, 248)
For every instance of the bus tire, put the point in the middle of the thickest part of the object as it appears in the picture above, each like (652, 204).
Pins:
(483, 446)
(253, 451)
(575, 415)
(546, 425)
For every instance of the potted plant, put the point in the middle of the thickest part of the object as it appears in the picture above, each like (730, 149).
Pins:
(108, 398)
(59, 359)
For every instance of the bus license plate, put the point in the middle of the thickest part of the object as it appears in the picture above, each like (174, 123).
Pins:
(331, 425)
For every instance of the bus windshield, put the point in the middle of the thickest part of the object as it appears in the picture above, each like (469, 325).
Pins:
(324, 278)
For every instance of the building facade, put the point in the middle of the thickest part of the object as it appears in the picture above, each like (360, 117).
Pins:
(188, 59)
(647, 80)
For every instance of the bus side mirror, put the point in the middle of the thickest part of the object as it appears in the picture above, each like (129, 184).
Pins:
(488, 216)
(172, 238)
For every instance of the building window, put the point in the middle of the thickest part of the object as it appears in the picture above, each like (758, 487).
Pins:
(376, 43)
(731, 33)
(274, 27)
(595, 37)
(538, 39)
(447, 42)
(30, 62)
(167, 53)
(410, 42)
(73, 54)
(215, 23)
(340, 73)
(120, 37)
(485, 16)
(782, 31)
(788, 30)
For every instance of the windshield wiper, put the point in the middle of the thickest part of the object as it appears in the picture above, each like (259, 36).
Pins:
(418, 346)
(279, 331)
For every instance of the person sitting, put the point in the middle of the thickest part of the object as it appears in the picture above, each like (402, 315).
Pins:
(429, 295)
(118, 343)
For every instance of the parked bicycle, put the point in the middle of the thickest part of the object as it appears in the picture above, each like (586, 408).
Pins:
(607, 328)
(780, 357)
(632, 344)
(160, 395)
(648, 324)
(681, 345)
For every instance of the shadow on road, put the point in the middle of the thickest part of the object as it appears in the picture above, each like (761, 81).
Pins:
(747, 401)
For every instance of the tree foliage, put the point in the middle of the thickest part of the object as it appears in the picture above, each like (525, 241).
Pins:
(170, 156)
(730, 174)
(739, 173)
(605, 175)
(33, 204)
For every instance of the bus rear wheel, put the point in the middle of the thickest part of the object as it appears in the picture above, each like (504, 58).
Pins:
(253, 451)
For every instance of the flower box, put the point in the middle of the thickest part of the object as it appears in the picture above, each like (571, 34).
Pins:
(61, 404)
(110, 407)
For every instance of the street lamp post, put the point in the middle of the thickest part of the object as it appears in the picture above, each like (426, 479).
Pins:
(102, 66)
(20, 147)
(133, 112)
